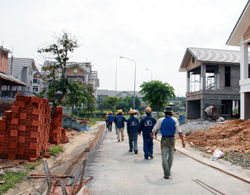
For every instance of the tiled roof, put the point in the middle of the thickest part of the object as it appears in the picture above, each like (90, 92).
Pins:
(216, 55)
(86, 66)
(18, 64)
(10, 78)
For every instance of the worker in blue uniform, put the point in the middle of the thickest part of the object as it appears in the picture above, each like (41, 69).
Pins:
(110, 120)
(168, 126)
(119, 121)
(146, 125)
(132, 130)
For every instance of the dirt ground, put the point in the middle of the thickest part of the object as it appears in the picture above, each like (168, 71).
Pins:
(232, 135)
(75, 138)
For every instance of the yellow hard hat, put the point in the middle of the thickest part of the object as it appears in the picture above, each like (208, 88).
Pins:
(110, 112)
(120, 111)
(131, 112)
(148, 110)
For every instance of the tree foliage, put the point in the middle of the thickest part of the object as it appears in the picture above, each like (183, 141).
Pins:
(75, 96)
(56, 71)
(115, 103)
(157, 94)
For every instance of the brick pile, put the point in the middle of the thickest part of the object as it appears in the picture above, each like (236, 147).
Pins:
(24, 131)
(57, 134)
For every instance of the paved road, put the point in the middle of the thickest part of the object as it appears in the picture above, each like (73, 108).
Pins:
(117, 171)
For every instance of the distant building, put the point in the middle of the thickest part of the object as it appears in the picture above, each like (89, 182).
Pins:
(102, 93)
(37, 82)
(23, 69)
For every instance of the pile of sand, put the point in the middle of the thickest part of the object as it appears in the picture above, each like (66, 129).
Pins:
(233, 135)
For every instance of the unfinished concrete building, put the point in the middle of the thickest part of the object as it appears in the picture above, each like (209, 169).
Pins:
(212, 80)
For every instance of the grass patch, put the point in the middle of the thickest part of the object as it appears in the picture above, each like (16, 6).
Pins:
(93, 121)
(10, 180)
(55, 150)
(32, 166)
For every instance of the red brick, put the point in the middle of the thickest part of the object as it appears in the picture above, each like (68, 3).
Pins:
(35, 99)
(46, 156)
(15, 109)
(36, 111)
(13, 132)
(20, 150)
(1, 150)
(34, 145)
(21, 139)
(35, 123)
(2, 126)
(32, 159)
(34, 134)
(1, 138)
(21, 104)
(14, 121)
(59, 108)
(13, 145)
(22, 127)
(22, 115)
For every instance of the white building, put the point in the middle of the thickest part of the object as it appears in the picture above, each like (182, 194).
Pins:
(240, 36)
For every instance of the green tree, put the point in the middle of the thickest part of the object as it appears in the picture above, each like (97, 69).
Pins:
(110, 102)
(75, 96)
(89, 102)
(157, 94)
(56, 71)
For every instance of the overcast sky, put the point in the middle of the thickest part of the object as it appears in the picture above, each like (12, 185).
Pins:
(153, 33)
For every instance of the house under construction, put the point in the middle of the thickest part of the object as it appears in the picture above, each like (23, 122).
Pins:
(212, 80)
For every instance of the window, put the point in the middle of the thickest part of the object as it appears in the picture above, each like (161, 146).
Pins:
(227, 76)
(38, 81)
(193, 60)
(35, 81)
(35, 88)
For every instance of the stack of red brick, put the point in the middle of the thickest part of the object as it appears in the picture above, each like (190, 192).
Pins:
(57, 134)
(24, 131)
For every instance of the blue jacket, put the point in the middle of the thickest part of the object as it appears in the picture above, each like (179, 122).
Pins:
(110, 118)
(119, 121)
(132, 125)
(146, 125)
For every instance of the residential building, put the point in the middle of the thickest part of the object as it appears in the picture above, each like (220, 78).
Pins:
(81, 72)
(212, 80)
(240, 36)
(23, 69)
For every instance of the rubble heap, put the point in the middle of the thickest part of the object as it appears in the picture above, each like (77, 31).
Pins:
(233, 135)
(24, 131)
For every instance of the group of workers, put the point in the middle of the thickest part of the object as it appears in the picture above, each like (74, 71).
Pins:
(149, 127)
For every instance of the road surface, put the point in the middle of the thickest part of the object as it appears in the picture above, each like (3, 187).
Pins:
(117, 171)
